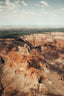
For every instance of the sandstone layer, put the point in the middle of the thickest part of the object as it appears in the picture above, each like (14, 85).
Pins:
(32, 65)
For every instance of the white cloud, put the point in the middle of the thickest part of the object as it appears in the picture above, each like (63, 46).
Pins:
(31, 13)
(2, 7)
(27, 12)
(12, 5)
(62, 8)
(42, 6)
(0, 10)
(44, 3)
(25, 4)
(45, 12)
(55, 15)
(1, 2)
(36, 4)
(58, 11)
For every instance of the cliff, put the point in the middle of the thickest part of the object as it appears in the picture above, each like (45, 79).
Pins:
(32, 65)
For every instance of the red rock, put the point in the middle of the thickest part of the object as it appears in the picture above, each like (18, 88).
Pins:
(32, 66)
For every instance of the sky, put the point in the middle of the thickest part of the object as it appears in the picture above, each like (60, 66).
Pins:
(31, 12)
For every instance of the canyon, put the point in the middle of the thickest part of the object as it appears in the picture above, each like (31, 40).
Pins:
(32, 65)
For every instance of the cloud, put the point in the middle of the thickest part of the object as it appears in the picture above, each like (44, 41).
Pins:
(42, 6)
(0, 10)
(27, 12)
(59, 11)
(2, 7)
(9, 7)
(36, 4)
(25, 4)
(1, 2)
(12, 5)
(45, 12)
(44, 3)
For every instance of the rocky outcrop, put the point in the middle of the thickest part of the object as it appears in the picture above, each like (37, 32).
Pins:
(32, 66)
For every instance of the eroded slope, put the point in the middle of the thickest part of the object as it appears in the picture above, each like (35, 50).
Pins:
(32, 65)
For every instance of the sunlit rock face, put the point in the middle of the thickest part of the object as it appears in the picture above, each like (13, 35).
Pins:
(32, 65)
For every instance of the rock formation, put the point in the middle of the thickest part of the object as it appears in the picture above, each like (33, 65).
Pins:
(32, 65)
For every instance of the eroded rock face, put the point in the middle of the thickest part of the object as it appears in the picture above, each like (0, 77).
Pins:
(32, 66)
